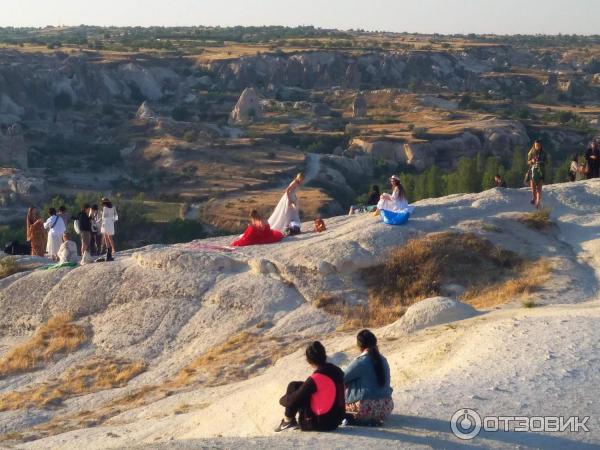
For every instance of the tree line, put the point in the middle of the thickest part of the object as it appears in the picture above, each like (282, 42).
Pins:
(472, 175)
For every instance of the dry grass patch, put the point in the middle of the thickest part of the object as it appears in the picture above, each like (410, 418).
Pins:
(531, 276)
(93, 376)
(9, 266)
(59, 336)
(419, 269)
(236, 359)
(537, 220)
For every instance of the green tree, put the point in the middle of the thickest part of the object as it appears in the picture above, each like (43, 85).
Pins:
(518, 168)
(408, 181)
(492, 168)
(561, 174)
(435, 182)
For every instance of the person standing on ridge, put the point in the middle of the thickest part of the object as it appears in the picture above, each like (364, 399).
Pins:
(536, 159)
(96, 222)
(56, 228)
(84, 229)
(36, 236)
(592, 156)
(109, 217)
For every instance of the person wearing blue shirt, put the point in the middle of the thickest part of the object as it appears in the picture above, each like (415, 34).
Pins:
(367, 381)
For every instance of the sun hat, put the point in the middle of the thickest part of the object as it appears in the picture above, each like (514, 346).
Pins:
(394, 177)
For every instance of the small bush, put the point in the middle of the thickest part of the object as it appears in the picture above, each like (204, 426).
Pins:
(420, 133)
(528, 303)
(537, 220)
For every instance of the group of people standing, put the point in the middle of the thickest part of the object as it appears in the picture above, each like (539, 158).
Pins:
(95, 228)
(359, 395)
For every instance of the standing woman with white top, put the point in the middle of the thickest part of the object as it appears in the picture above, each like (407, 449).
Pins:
(56, 228)
(109, 217)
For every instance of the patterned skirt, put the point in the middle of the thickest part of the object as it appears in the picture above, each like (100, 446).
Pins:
(376, 410)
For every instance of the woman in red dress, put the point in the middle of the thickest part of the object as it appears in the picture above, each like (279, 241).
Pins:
(258, 232)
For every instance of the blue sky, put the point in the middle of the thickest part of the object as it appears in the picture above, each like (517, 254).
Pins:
(424, 16)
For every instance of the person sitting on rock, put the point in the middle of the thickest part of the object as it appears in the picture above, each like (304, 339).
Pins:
(320, 225)
(258, 232)
(67, 253)
(372, 200)
(367, 380)
(500, 183)
(394, 202)
(319, 401)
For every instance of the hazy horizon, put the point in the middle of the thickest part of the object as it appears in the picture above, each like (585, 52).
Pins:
(451, 16)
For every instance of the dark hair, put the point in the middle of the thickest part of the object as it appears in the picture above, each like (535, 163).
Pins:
(95, 207)
(315, 353)
(52, 211)
(375, 189)
(498, 176)
(85, 206)
(398, 184)
(575, 157)
(62, 208)
(107, 203)
(367, 341)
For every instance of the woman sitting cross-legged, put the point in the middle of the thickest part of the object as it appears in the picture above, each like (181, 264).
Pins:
(258, 232)
(396, 201)
(319, 401)
(367, 380)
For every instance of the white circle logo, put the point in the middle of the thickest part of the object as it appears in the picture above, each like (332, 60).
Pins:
(465, 424)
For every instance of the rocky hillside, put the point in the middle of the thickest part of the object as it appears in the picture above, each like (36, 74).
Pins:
(197, 340)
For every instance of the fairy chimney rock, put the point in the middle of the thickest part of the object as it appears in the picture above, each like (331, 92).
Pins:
(359, 107)
(144, 112)
(247, 109)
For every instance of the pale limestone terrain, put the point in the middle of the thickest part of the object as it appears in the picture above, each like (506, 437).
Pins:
(166, 305)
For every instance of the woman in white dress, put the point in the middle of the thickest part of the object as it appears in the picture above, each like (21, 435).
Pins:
(109, 217)
(288, 208)
(56, 227)
(396, 201)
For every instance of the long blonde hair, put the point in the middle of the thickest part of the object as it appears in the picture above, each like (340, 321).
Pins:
(299, 176)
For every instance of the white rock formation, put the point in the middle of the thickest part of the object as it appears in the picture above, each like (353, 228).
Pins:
(247, 108)
(431, 312)
(359, 106)
(143, 78)
(145, 112)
